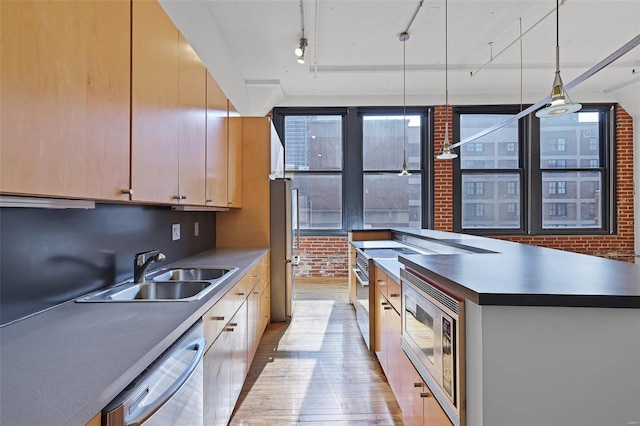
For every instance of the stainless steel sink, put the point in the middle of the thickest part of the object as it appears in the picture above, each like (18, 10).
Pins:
(176, 284)
(189, 274)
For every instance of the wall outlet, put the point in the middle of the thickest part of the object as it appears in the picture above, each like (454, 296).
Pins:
(196, 229)
(175, 231)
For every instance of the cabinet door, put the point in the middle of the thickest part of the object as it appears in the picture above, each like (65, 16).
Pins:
(235, 159)
(253, 323)
(155, 119)
(433, 414)
(381, 280)
(238, 351)
(395, 353)
(265, 308)
(64, 109)
(218, 364)
(379, 329)
(217, 142)
(192, 114)
(410, 398)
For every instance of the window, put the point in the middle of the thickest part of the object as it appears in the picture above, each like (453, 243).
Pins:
(560, 166)
(557, 209)
(494, 175)
(557, 144)
(557, 187)
(345, 163)
(475, 188)
(474, 210)
(390, 200)
(475, 147)
(313, 160)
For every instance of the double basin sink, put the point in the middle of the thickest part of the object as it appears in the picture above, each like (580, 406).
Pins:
(174, 284)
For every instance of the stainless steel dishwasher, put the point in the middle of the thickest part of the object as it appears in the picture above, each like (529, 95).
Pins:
(168, 392)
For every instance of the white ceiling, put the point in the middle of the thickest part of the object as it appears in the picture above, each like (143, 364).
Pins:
(355, 58)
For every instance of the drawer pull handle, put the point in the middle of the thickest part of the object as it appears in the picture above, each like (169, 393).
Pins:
(228, 329)
(217, 318)
(425, 394)
(417, 384)
(384, 303)
(394, 295)
(233, 324)
(127, 191)
(387, 308)
(240, 294)
(256, 292)
(209, 201)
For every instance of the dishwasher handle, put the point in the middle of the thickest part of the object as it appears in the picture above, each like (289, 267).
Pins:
(143, 413)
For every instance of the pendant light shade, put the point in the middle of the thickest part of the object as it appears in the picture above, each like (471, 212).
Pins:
(447, 153)
(560, 103)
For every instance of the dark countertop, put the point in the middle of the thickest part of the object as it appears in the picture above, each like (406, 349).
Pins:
(62, 366)
(513, 274)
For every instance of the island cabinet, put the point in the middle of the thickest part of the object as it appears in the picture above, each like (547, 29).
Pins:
(414, 397)
(216, 145)
(232, 330)
(168, 115)
(235, 169)
(64, 109)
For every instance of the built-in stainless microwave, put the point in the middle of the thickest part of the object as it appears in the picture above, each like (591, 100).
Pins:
(432, 336)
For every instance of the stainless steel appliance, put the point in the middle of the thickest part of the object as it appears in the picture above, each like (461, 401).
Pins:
(169, 392)
(285, 242)
(361, 272)
(433, 338)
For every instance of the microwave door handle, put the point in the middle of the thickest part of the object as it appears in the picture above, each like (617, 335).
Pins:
(143, 414)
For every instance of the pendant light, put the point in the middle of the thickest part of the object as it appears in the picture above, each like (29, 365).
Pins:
(560, 102)
(404, 36)
(447, 153)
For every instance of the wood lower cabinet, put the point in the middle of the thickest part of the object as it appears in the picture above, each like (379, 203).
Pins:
(217, 380)
(233, 328)
(64, 109)
(418, 405)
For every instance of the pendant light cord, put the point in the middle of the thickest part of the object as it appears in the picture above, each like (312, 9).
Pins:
(404, 99)
(446, 70)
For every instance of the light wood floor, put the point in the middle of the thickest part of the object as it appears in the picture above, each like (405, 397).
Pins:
(316, 369)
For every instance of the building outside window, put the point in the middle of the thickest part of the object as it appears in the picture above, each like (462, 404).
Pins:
(565, 176)
(390, 200)
(492, 174)
(313, 160)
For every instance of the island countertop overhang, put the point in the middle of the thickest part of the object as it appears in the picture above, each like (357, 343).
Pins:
(506, 273)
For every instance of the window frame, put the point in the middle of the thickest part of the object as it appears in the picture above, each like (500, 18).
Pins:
(520, 171)
(352, 160)
(532, 188)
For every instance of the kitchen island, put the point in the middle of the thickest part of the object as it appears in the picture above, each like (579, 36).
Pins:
(550, 337)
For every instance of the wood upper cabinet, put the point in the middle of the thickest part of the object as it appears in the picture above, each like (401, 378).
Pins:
(64, 120)
(235, 159)
(216, 145)
(169, 111)
(155, 119)
(192, 113)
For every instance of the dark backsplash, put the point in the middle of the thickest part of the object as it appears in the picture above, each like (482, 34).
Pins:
(51, 256)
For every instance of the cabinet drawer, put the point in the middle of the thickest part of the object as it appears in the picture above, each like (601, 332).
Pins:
(393, 295)
(381, 279)
(219, 315)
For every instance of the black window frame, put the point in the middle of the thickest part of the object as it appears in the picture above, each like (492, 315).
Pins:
(531, 188)
(352, 159)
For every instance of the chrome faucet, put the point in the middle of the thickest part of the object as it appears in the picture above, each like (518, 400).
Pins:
(142, 262)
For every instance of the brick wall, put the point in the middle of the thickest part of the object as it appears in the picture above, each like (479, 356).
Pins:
(323, 257)
(618, 246)
(327, 256)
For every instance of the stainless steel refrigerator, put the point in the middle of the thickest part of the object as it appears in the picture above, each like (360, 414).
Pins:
(285, 241)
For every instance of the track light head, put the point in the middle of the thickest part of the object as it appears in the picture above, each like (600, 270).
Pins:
(299, 51)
